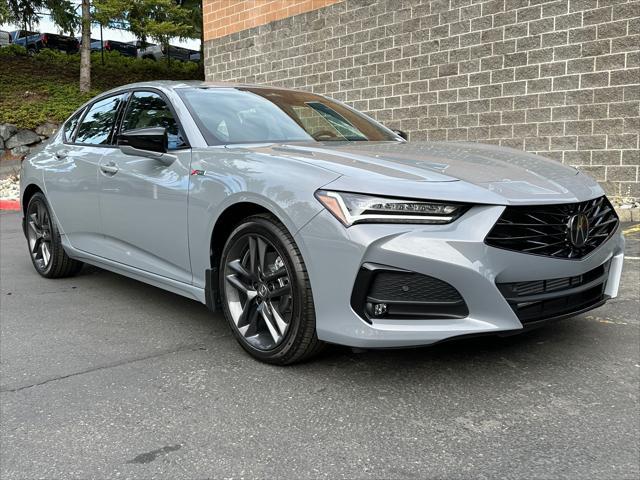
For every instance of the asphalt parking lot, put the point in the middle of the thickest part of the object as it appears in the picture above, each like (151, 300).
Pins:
(105, 377)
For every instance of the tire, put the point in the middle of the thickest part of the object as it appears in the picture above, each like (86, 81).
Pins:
(268, 302)
(31, 51)
(44, 243)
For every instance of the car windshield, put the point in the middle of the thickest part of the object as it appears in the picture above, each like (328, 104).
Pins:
(256, 115)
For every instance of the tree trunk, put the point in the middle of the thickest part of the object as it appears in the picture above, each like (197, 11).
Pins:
(85, 49)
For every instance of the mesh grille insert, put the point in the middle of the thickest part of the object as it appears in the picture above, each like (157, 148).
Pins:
(408, 287)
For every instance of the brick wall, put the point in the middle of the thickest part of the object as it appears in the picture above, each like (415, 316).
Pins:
(560, 78)
(224, 17)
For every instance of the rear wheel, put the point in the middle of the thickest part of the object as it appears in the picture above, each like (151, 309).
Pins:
(266, 295)
(45, 246)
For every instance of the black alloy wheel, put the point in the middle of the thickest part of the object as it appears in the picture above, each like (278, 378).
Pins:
(266, 294)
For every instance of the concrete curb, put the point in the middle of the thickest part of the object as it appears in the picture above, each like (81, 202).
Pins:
(628, 214)
(10, 205)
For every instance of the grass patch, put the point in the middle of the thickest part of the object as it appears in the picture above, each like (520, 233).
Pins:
(44, 87)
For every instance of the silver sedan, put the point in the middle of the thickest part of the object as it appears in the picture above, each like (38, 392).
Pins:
(306, 222)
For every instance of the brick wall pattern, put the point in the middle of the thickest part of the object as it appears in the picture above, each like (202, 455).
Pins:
(224, 17)
(559, 78)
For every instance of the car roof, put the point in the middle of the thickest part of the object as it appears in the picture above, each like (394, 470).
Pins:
(179, 84)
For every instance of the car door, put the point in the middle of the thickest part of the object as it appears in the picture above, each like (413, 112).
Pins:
(71, 176)
(143, 202)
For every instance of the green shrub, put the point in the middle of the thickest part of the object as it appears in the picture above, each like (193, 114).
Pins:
(44, 87)
(13, 50)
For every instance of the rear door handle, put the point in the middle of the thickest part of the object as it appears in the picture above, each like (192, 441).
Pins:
(62, 154)
(109, 168)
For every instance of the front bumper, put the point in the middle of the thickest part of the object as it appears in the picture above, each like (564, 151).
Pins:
(454, 253)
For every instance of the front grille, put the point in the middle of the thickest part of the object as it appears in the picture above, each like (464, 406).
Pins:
(537, 300)
(404, 295)
(544, 229)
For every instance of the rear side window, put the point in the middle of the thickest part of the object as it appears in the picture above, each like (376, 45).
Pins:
(71, 125)
(148, 110)
(97, 125)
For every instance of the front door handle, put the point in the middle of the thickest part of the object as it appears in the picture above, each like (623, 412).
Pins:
(109, 168)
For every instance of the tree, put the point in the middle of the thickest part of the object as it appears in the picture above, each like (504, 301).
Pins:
(194, 7)
(85, 48)
(159, 20)
(27, 13)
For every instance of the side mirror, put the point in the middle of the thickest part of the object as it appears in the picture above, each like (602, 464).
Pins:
(147, 139)
(401, 134)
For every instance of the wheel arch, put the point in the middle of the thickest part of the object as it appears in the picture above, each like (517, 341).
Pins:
(228, 219)
(29, 191)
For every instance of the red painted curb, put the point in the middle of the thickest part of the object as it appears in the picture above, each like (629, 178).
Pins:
(12, 205)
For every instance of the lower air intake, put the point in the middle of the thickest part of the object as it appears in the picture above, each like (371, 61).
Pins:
(386, 292)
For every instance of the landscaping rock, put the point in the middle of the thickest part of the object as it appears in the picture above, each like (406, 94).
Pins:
(20, 150)
(6, 130)
(22, 137)
(47, 129)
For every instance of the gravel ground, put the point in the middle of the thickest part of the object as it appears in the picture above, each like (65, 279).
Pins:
(10, 187)
(105, 377)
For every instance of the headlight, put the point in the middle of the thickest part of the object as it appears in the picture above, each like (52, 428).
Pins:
(352, 208)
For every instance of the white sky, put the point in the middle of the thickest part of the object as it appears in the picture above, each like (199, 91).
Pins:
(108, 34)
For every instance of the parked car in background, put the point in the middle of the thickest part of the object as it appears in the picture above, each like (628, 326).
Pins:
(34, 41)
(124, 48)
(5, 38)
(159, 52)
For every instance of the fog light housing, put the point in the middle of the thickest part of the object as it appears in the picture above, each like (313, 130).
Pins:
(379, 309)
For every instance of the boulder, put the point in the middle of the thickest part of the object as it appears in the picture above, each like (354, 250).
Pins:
(22, 137)
(1, 144)
(6, 130)
(47, 129)
(20, 150)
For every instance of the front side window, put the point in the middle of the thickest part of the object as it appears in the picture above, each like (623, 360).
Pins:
(148, 110)
(255, 115)
(97, 125)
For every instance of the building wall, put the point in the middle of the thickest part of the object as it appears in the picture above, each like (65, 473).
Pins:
(224, 17)
(559, 78)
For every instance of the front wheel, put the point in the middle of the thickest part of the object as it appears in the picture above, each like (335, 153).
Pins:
(266, 294)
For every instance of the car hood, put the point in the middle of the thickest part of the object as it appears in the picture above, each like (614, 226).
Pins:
(495, 175)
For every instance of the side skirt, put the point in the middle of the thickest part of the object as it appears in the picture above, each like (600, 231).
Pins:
(159, 281)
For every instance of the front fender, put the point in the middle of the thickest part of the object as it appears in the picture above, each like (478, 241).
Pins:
(224, 177)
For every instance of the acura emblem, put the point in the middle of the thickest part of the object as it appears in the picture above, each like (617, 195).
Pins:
(578, 230)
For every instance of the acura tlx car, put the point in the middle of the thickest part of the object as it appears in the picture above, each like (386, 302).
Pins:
(309, 223)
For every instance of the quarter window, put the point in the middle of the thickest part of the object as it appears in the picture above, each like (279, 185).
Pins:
(97, 125)
(149, 110)
(70, 126)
